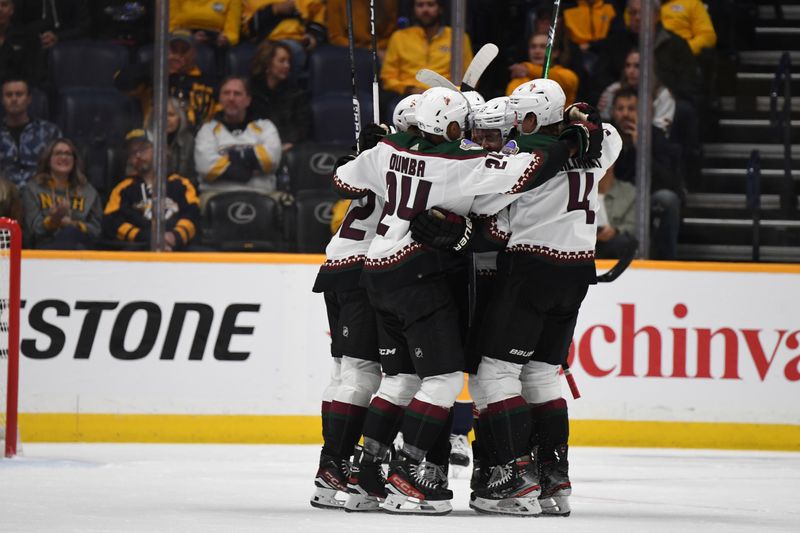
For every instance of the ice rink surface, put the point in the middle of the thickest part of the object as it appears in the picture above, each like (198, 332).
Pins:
(91, 488)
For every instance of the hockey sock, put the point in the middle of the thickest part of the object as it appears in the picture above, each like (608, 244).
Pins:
(421, 426)
(484, 440)
(462, 418)
(551, 421)
(380, 425)
(439, 453)
(325, 412)
(510, 424)
(345, 422)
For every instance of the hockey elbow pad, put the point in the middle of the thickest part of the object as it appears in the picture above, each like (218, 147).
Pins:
(442, 229)
(587, 137)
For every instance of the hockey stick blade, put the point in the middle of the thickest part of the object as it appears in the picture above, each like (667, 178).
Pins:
(434, 79)
(478, 66)
(622, 264)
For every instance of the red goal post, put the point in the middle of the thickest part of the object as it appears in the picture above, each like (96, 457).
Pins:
(10, 252)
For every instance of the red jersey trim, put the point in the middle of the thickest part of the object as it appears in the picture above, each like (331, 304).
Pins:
(551, 254)
(344, 263)
(394, 259)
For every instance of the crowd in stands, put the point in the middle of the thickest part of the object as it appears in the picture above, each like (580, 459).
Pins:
(252, 82)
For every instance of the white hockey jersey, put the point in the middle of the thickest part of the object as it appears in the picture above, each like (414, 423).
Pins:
(412, 175)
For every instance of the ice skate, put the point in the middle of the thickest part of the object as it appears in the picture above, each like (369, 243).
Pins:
(416, 488)
(331, 479)
(512, 489)
(366, 484)
(459, 450)
(480, 470)
(556, 487)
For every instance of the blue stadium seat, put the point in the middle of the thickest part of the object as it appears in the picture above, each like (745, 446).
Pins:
(311, 165)
(333, 117)
(86, 63)
(94, 115)
(314, 220)
(247, 221)
(329, 70)
(238, 58)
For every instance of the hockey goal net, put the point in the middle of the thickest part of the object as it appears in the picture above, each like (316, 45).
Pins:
(10, 245)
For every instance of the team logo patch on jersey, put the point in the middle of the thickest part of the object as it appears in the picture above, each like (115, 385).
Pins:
(218, 7)
(345, 331)
(418, 352)
(511, 148)
(466, 144)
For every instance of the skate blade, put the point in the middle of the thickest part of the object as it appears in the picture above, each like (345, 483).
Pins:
(523, 507)
(360, 503)
(401, 504)
(326, 499)
(555, 506)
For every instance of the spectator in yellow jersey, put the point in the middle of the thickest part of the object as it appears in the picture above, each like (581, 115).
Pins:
(62, 209)
(424, 45)
(589, 21)
(129, 212)
(214, 22)
(690, 20)
(300, 21)
(534, 69)
(386, 13)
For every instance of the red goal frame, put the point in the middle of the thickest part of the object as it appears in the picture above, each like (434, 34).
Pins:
(15, 253)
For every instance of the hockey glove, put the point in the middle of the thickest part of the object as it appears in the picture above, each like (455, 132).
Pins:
(371, 135)
(342, 161)
(582, 112)
(442, 229)
(586, 136)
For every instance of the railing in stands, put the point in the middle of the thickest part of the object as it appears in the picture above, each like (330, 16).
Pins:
(754, 200)
(781, 120)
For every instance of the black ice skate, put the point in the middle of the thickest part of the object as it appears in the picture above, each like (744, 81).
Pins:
(556, 487)
(366, 484)
(416, 488)
(480, 470)
(331, 479)
(513, 489)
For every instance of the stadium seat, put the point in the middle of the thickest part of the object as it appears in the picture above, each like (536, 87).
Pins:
(329, 70)
(333, 117)
(238, 58)
(105, 165)
(86, 63)
(311, 165)
(247, 221)
(314, 220)
(91, 115)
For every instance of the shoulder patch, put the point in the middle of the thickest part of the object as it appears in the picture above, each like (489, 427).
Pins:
(511, 148)
(466, 144)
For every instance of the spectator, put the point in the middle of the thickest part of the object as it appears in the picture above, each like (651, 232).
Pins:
(424, 45)
(62, 209)
(54, 21)
(385, 23)
(22, 138)
(125, 22)
(690, 20)
(10, 203)
(299, 22)
(235, 150)
(589, 21)
(666, 183)
(533, 69)
(276, 98)
(193, 89)
(212, 22)
(180, 141)
(663, 102)
(18, 50)
(129, 211)
(616, 221)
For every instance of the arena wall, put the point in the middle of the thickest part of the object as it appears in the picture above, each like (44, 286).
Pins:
(140, 347)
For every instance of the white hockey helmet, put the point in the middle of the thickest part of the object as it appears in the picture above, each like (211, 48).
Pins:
(475, 99)
(496, 114)
(438, 107)
(542, 97)
(405, 112)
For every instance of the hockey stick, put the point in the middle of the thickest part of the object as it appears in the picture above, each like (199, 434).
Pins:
(622, 264)
(478, 66)
(352, 47)
(434, 79)
(551, 37)
(376, 113)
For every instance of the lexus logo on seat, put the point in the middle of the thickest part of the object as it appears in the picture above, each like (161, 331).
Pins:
(241, 212)
(322, 163)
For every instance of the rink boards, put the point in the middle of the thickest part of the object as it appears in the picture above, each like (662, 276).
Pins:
(139, 347)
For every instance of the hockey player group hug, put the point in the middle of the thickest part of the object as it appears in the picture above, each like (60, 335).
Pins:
(468, 247)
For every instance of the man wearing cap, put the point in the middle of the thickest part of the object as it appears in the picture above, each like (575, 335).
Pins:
(129, 211)
(193, 88)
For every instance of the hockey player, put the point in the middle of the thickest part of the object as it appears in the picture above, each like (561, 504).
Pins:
(543, 276)
(404, 116)
(407, 282)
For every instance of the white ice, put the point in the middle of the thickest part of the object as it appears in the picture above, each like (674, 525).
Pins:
(91, 488)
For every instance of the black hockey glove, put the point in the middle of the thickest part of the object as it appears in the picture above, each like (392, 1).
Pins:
(371, 135)
(587, 137)
(582, 112)
(442, 229)
(342, 161)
